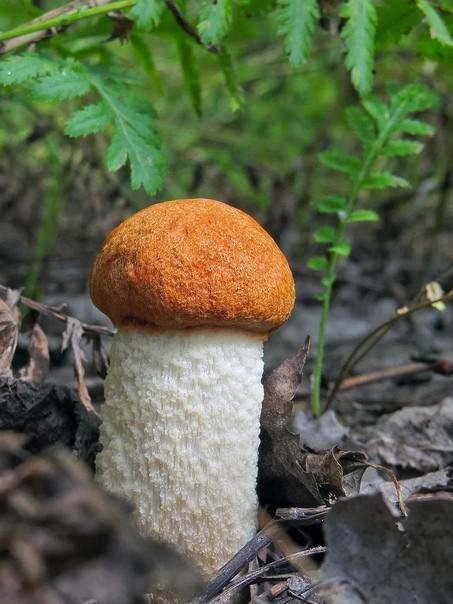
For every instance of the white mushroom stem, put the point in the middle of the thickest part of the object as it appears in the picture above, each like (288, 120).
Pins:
(181, 432)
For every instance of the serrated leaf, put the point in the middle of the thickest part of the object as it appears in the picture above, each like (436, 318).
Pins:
(326, 234)
(116, 152)
(66, 84)
(437, 26)
(342, 248)
(135, 138)
(191, 73)
(147, 13)
(396, 18)
(317, 263)
(381, 180)
(215, 21)
(400, 148)
(358, 34)
(18, 69)
(363, 216)
(413, 98)
(377, 109)
(361, 124)
(88, 120)
(233, 86)
(342, 162)
(416, 128)
(331, 204)
(297, 22)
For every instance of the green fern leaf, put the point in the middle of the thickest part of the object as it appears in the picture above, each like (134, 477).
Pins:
(215, 21)
(396, 18)
(331, 204)
(361, 125)
(231, 81)
(90, 119)
(400, 148)
(358, 34)
(147, 13)
(326, 234)
(297, 22)
(413, 99)
(437, 26)
(69, 82)
(342, 248)
(377, 109)
(363, 216)
(341, 162)
(135, 138)
(317, 263)
(382, 180)
(415, 127)
(18, 69)
(191, 73)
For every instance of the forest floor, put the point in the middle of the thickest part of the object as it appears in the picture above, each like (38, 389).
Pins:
(403, 423)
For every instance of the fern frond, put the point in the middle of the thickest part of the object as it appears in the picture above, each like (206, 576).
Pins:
(297, 22)
(358, 34)
(215, 21)
(19, 69)
(436, 24)
(147, 13)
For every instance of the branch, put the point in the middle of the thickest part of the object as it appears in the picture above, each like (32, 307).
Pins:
(55, 21)
(371, 339)
(56, 313)
(187, 27)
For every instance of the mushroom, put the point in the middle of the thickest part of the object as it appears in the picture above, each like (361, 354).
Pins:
(194, 287)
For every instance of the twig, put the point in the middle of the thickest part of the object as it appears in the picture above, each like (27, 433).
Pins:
(233, 566)
(255, 575)
(304, 516)
(371, 339)
(187, 27)
(55, 21)
(52, 311)
(443, 366)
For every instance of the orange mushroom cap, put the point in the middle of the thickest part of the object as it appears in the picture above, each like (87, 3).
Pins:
(192, 263)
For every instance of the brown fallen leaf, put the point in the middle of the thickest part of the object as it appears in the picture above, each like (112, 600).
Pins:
(287, 475)
(9, 330)
(72, 337)
(38, 348)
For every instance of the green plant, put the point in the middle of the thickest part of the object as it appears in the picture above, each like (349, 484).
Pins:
(382, 130)
(79, 63)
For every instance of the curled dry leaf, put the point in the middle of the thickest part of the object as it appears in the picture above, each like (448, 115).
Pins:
(9, 330)
(72, 337)
(288, 476)
(38, 348)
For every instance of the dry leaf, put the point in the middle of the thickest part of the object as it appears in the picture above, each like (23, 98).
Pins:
(38, 348)
(72, 337)
(9, 331)
(100, 357)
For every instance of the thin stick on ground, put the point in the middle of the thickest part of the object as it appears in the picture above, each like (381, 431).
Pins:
(371, 339)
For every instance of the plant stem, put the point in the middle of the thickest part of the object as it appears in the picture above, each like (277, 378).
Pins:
(331, 274)
(76, 14)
